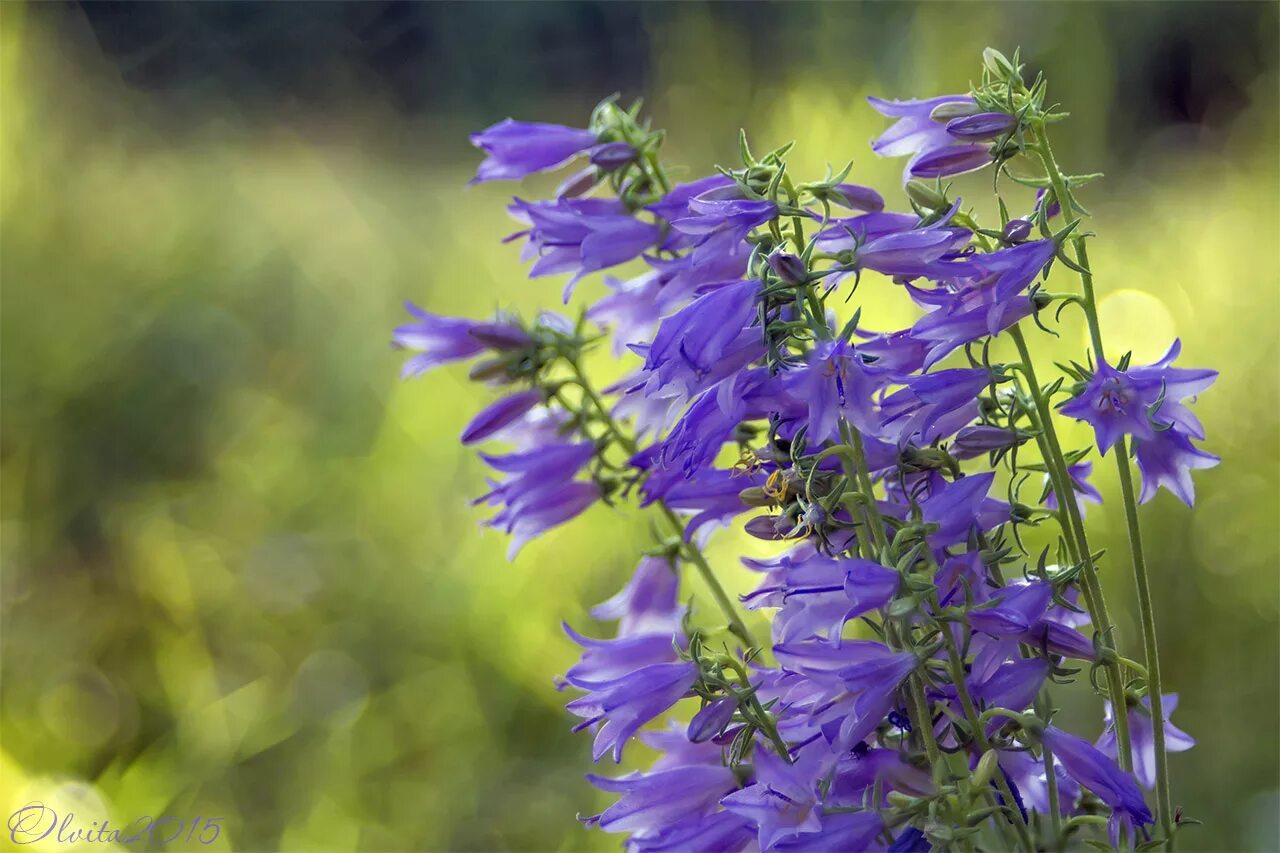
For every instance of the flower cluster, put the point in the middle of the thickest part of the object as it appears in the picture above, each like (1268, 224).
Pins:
(901, 700)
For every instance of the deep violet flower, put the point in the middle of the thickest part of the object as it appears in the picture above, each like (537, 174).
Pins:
(499, 414)
(1100, 774)
(1121, 402)
(515, 149)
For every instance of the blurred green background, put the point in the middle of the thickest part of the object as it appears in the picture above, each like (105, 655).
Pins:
(241, 578)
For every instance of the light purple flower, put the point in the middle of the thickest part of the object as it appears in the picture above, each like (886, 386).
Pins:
(652, 801)
(1142, 737)
(783, 802)
(579, 236)
(1118, 403)
(624, 704)
(837, 384)
(962, 507)
(540, 491)
(648, 603)
(1015, 611)
(1083, 490)
(1167, 459)
(981, 126)
(934, 405)
(440, 340)
(915, 133)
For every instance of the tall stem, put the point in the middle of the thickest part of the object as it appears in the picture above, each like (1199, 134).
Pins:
(691, 551)
(1054, 460)
(1141, 578)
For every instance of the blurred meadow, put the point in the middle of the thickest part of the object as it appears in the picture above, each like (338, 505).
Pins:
(241, 577)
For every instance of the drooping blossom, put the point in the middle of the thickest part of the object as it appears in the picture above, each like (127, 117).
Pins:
(516, 149)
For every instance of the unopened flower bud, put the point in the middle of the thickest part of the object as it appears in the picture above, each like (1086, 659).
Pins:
(494, 369)
(764, 527)
(986, 769)
(925, 195)
(1016, 231)
(612, 156)
(756, 496)
(857, 197)
(944, 113)
(788, 267)
(500, 413)
(981, 127)
(578, 183)
(999, 65)
(708, 722)
(501, 336)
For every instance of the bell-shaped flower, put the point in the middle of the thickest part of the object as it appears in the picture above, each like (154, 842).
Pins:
(515, 149)
(1142, 737)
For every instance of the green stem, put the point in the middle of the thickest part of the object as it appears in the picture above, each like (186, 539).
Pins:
(1164, 801)
(1050, 775)
(956, 666)
(692, 553)
(1054, 460)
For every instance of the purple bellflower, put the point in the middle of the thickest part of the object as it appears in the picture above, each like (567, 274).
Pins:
(579, 236)
(1142, 737)
(515, 149)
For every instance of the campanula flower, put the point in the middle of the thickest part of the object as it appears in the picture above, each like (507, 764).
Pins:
(1123, 402)
(1083, 490)
(500, 414)
(652, 801)
(838, 384)
(962, 507)
(440, 340)
(783, 802)
(649, 603)
(1167, 459)
(579, 236)
(1142, 739)
(624, 704)
(540, 491)
(934, 405)
(1101, 775)
(515, 149)
(918, 135)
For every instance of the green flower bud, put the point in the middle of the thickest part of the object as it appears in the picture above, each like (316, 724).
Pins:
(926, 196)
(999, 65)
(986, 769)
